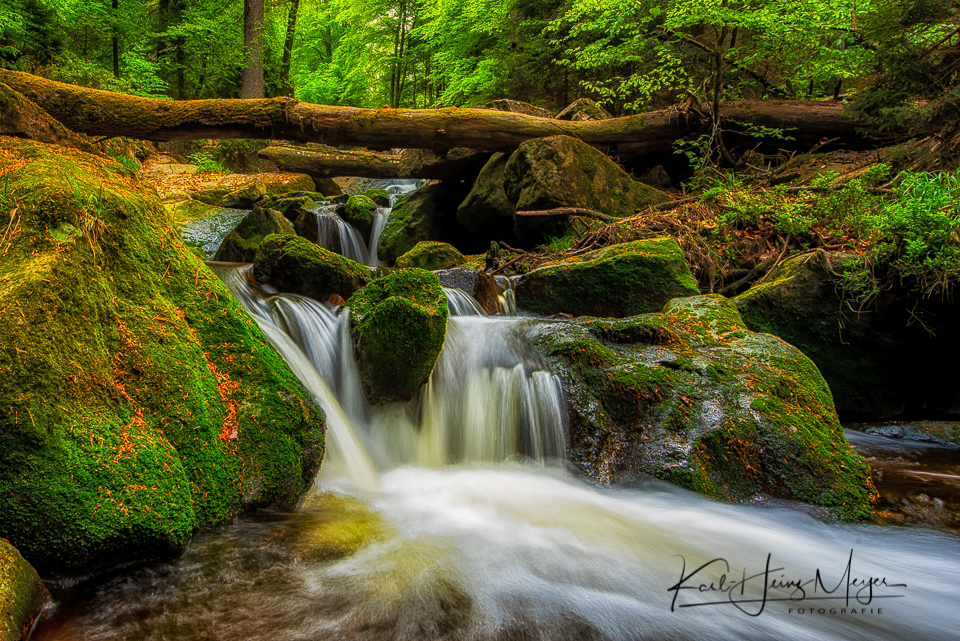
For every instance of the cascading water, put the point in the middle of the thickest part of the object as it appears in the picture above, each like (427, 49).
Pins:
(446, 519)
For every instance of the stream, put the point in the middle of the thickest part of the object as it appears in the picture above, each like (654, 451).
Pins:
(457, 517)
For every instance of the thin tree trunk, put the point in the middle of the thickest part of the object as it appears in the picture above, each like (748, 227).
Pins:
(252, 83)
(116, 38)
(288, 46)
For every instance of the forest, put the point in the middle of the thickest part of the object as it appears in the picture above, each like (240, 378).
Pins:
(478, 319)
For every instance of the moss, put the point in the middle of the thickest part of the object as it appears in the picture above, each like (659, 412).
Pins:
(690, 396)
(21, 594)
(294, 264)
(431, 255)
(399, 323)
(415, 217)
(622, 280)
(380, 196)
(138, 401)
(359, 212)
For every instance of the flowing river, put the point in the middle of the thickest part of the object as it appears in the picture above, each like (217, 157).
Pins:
(458, 519)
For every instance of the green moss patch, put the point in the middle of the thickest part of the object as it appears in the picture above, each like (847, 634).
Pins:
(399, 323)
(294, 264)
(431, 255)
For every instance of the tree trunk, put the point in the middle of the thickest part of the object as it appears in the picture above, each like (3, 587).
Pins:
(116, 38)
(288, 46)
(104, 113)
(252, 84)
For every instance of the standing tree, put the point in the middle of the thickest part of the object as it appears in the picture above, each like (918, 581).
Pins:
(252, 84)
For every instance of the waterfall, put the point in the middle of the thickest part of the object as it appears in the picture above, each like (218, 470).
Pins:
(445, 519)
(461, 303)
(507, 295)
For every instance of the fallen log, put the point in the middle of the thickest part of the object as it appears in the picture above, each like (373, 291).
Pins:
(104, 113)
(329, 163)
(411, 163)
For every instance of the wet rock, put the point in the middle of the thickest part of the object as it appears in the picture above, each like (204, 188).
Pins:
(398, 324)
(621, 280)
(290, 206)
(691, 396)
(380, 196)
(240, 245)
(880, 362)
(657, 178)
(560, 171)
(22, 594)
(294, 264)
(431, 255)
(424, 214)
(138, 401)
(478, 284)
(583, 109)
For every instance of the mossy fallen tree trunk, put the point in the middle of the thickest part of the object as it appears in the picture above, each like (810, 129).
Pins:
(327, 163)
(103, 113)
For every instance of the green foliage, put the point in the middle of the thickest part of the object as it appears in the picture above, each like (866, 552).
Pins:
(207, 163)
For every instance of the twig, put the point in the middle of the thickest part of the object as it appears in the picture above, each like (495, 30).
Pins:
(570, 211)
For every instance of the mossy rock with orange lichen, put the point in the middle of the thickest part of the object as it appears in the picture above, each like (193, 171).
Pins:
(398, 323)
(620, 280)
(690, 395)
(241, 244)
(22, 594)
(138, 401)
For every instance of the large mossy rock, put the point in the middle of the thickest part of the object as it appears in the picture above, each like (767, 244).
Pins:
(424, 214)
(211, 188)
(138, 401)
(240, 245)
(881, 361)
(486, 211)
(620, 280)
(294, 264)
(431, 255)
(398, 324)
(560, 171)
(691, 396)
(583, 109)
(22, 594)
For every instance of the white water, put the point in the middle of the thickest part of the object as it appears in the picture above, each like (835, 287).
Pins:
(459, 526)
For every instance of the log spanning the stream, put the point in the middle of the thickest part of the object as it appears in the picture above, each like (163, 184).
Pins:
(104, 113)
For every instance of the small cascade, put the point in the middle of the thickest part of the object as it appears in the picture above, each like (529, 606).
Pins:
(338, 236)
(461, 303)
(507, 295)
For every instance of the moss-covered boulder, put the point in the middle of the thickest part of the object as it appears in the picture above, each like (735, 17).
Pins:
(486, 211)
(360, 212)
(240, 245)
(883, 361)
(380, 196)
(620, 280)
(421, 215)
(517, 107)
(290, 206)
(583, 109)
(431, 255)
(294, 264)
(22, 594)
(138, 401)
(211, 188)
(398, 324)
(560, 171)
(691, 396)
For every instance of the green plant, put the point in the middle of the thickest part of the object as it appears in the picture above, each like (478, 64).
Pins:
(206, 163)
